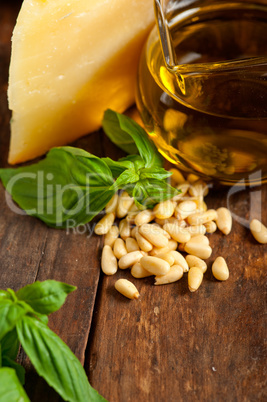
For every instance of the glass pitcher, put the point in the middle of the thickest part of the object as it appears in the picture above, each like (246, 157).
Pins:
(202, 87)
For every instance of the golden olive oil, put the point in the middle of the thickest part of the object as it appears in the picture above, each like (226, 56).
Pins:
(209, 113)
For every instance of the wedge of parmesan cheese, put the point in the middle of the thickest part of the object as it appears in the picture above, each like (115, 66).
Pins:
(71, 60)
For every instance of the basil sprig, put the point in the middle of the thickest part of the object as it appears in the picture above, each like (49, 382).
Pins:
(127, 129)
(22, 321)
(71, 186)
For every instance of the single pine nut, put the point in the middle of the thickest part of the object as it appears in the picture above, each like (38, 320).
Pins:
(112, 204)
(145, 216)
(194, 261)
(175, 273)
(220, 270)
(177, 233)
(164, 210)
(124, 204)
(127, 289)
(176, 177)
(134, 209)
(179, 260)
(259, 231)
(131, 245)
(155, 265)
(102, 227)
(111, 236)
(125, 229)
(160, 230)
(172, 245)
(128, 260)
(224, 220)
(202, 217)
(158, 250)
(134, 231)
(173, 220)
(119, 248)
(211, 227)
(192, 178)
(184, 209)
(196, 230)
(144, 253)
(162, 222)
(139, 272)
(195, 277)
(153, 235)
(201, 239)
(200, 250)
(198, 189)
(183, 190)
(109, 263)
(201, 205)
(166, 257)
(143, 243)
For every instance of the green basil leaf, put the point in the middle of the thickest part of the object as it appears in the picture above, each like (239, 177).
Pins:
(12, 294)
(68, 186)
(135, 159)
(10, 314)
(117, 167)
(45, 297)
(131, 162)
(55, 362)
(147, 193)
(31, 311)
(42, 317)
(116, 135)
(154, 173)
(125, 128)
(20, 371)
(11, 389)
(4, 294)
(10, 344)
(128, 177)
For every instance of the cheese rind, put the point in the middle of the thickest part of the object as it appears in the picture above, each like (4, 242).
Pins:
(71, 60)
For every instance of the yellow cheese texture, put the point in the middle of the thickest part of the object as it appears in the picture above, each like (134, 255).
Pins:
(70, 61)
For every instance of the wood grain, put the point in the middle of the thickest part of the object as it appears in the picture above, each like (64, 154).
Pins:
(170, 345)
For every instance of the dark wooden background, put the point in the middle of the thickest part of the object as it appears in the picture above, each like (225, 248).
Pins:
(170, 345)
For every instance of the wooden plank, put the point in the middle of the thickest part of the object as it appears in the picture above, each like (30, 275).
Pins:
(30, 251)
(173, 345)
(73, 259)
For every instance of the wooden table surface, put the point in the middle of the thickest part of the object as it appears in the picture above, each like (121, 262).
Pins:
(169, 345)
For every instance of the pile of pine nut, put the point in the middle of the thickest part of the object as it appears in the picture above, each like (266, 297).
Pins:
(150, 242)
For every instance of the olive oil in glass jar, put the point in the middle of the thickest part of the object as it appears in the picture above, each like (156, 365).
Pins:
(207, 112)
